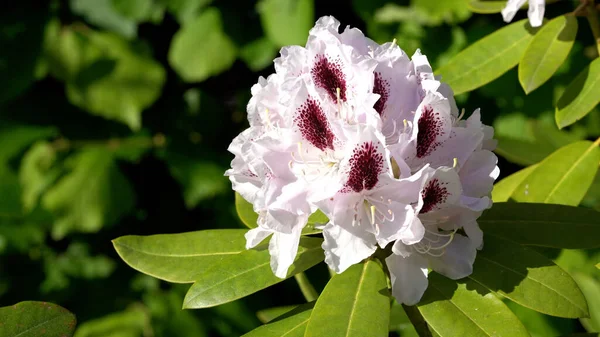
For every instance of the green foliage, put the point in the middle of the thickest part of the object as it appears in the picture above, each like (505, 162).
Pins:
(486, 7)
(291, 323)
(201, 49)
(488, 58)
(34, 319)
(580, 97)
(130, 323)
(354, 303)
(547, 51)
(286, 22)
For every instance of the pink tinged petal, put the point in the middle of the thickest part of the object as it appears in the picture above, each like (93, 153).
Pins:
(459, 145)
(408, 276)
(365, 166)
(325, 23)
(283, 249)
(442, 189)
(457, 260)
(381, 87)
(313, 125)
(474, 233)
(413, 233)
(355, 38)
(328, 75)
(512, 6)
(256, 236)
(346, 245)
(536, 12)
(433, 124)
(479, 173)
(393, 221)
(476, 204)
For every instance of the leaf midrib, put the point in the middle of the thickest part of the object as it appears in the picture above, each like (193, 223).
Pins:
(360, 284)
(579, 97)
(546, 53)
(178, 255)
(40, 324)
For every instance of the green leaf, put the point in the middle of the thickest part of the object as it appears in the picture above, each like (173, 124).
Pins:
(250, 218)
(21, 40)
(544, 225)
(139, 10)
(103, 14)
(106, 75)
(34, 319)
(185, 10)
(130, 323)
(267, 315)
(83, 204)
(527, 278)
(258, 54)
(15, 138)
(486, 7)
(400, 322)
(37, 173)
(547, 51)
(448, 11)
(286, 22)
(179, 258)
(488, 58)
(580, 96)
(562, 178)
(245, 273)
(538, 324)
(201, 49)
(465, 308)
(505, 187)
(354, 303)
(290, 324)
(590, 287)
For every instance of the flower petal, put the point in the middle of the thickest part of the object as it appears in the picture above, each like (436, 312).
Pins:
(512, 6)
(283, 249)
(408, 276)
(457, 261)
(346, 245)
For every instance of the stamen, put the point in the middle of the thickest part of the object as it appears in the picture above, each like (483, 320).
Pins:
(462, 113)
(372, 215)
(394, 42)
(339, 101)
(455, 162)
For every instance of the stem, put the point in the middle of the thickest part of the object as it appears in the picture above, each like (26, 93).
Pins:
(307, 289)
(63, 144)
(417, 320)
(592, 17)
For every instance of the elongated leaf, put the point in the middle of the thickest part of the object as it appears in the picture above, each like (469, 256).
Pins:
(35, 319)
(179, 258)
(580, 97)
(553, 226)
(290, 324)
(505, 187)
(528, 278)
(562, 178)
(249, 217)
(128, 323)
(466, 309)
(486, 7)
(488, 58)
(590, 287)
(354, 303)
(270, 314)
(245, 273)
(547, 51)
(286, 22)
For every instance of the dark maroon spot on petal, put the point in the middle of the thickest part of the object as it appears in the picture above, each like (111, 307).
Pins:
(314, 126)
(381, 87)
(430, 128)
(365, 166)
(329, 76)
(433, 194)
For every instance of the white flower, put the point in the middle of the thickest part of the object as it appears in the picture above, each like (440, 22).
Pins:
(535, 12)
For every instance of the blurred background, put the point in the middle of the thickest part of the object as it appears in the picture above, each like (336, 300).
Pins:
(115, 117)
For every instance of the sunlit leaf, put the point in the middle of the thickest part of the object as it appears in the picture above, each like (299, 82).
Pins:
(130, 323)
(258, 54)
(488, 58)
(505, 187)
(201, 49)
(486, 7)
(239, 275)
(580, 97)
(538, 324)
(448, 11)
(400, 322)
(37, 173)
(562, 178)
(545, 225)
(179, 258)
(184, 10)
(547, 51)
(35, 319)
(286, 22)
(590, 287)
(354, 303)
(83, 204)
(466, 308)
(290, 324)
(139, 10)
(15, 138)
(103, 14)
(528, 278)
(267, 315)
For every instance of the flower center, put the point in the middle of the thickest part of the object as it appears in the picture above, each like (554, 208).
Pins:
(329, 76)
(365, 166)
(433, 194)
(314, 126)
(381, 87)
(430, 128)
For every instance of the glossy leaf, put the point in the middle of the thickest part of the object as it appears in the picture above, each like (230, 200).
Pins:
(590, 287)
(249, 217)
(83, 204)
(545, 225)
(488, 58)
(467, 309)
(580, 96)
(354, 303)
(290, 324)
(547, 51)
(179, 258)
(562, 178)
(201, 49)
(267, 315)
(486, 7)
(34, 319)
(286, 22)
(528, 278)
(130, 323)
(245, 273)
(505, 187)
(400, 322)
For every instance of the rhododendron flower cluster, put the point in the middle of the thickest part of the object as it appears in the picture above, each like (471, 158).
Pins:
(374, 140)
